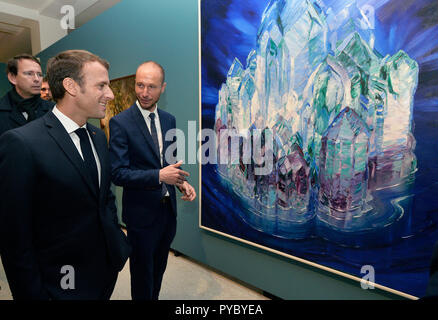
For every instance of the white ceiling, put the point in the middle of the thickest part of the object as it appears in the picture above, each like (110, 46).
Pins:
(29, 4)
(52, 8)
(15, 34)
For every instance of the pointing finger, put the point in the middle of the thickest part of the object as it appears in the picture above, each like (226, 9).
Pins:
(178, 164)
(185, 173)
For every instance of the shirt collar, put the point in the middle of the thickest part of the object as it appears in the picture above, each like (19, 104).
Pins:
(68, 123)
(146, 113)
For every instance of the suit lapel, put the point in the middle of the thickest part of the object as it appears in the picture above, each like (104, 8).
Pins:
(141, 124)
(62, 138)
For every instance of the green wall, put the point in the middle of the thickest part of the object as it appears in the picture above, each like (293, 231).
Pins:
(4, 83)
(167, 31)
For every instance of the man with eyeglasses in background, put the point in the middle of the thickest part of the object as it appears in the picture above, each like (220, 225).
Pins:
(23, 102)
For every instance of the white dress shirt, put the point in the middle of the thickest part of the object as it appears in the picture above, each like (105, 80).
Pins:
(146, 114)
(146, 118)
(70, 126)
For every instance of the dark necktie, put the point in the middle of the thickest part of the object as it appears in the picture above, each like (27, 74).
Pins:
(157, 147)
(87, 153)
(155, 135)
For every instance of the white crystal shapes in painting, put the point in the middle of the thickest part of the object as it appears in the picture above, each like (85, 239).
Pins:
(344, 167)
(394, 160)
(293, 181)
(340, 113)
(290, 44)
(402, 74)
(234, 79)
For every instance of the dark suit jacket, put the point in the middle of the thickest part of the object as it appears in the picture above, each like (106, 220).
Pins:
(136, 165)
(51, 216)
(11, 118)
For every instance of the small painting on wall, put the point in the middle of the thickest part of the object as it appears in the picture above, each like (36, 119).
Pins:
(124, 96)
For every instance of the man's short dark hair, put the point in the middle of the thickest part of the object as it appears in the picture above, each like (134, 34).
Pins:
(69, 64)
(12, 65)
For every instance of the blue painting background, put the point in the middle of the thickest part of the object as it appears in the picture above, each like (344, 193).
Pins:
(228, 30)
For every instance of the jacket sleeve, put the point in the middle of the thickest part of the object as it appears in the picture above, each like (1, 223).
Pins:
(119, 248)
(17, 183)
(122, 172)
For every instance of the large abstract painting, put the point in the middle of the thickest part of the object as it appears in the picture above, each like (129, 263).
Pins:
(325, 115)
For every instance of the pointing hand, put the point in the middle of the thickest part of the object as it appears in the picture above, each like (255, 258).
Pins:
(172, 174)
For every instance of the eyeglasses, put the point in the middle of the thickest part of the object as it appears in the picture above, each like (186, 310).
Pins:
(32, 74)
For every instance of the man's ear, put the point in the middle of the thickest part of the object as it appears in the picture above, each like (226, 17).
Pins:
(12, 78)
(163, 87)
(70, 86)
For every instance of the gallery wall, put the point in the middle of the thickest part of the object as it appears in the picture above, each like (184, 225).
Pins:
(167, 31)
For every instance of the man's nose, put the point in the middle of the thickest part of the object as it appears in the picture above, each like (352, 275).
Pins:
(110, 94)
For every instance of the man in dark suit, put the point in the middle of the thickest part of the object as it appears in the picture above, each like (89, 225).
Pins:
(22, 103)
(59, 233)
(137, 152)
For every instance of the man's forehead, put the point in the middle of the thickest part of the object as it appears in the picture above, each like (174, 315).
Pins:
(146, 76)
(28, 64)
(94, 65)
(94, 69)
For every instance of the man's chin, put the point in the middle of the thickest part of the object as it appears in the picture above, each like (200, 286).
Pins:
(101, 115)
(147, 106)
